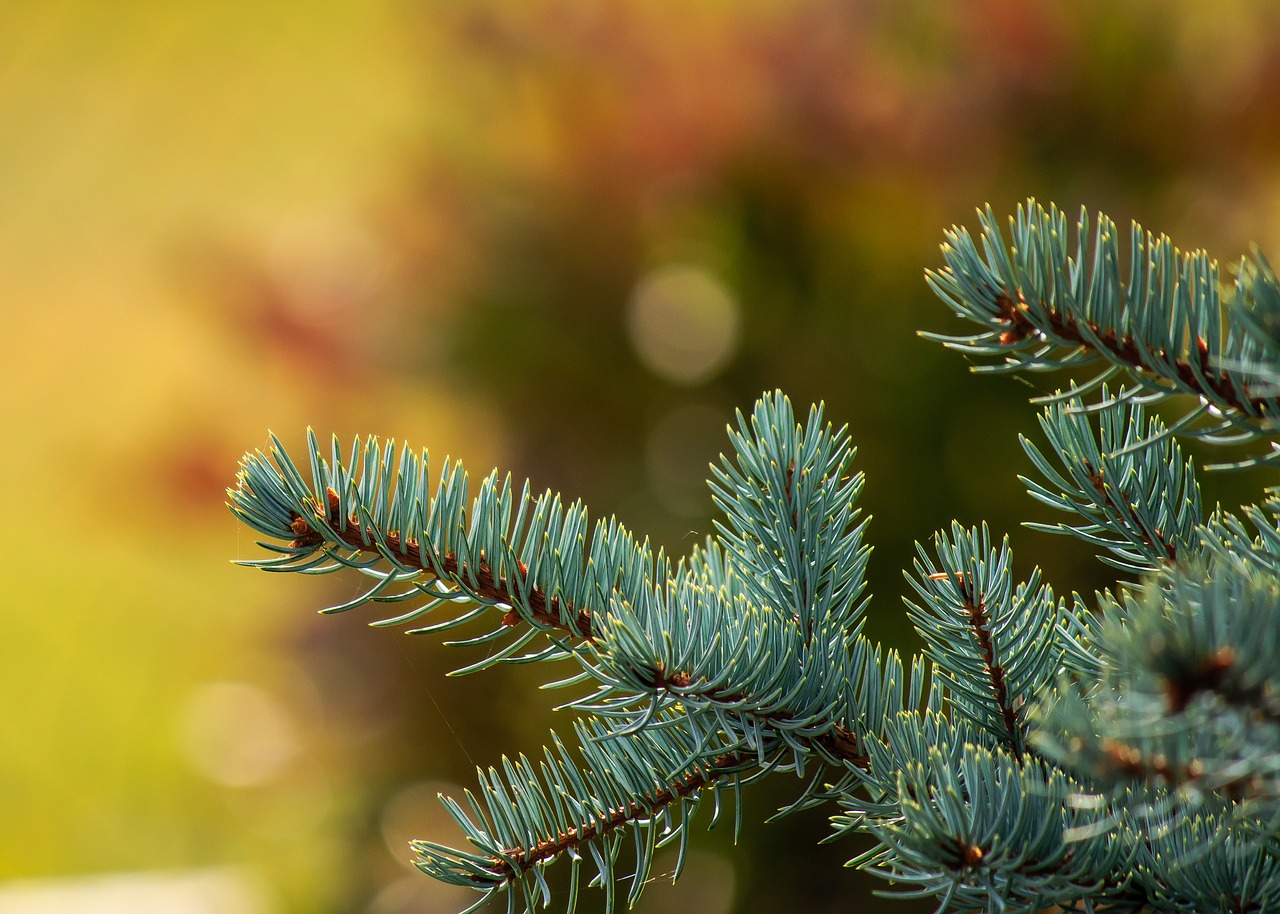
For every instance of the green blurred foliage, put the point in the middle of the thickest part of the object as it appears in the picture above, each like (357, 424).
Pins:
(443, 221)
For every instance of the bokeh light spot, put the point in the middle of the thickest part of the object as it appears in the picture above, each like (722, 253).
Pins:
(683, 322)
(416, 813)
(237, 734)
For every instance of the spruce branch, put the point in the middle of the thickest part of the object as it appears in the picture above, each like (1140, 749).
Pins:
(977, 827)
(1126, 479)
(516, 861)
(703, 645)
(1213, 860)
(1192, 369)
(528, 816)
(479, 582)
(528, 558)
(790, 518)
(755, 686)
(1256, 306)
(1189, 697)
(1045, 303)
(995, 646)
(1250, 544)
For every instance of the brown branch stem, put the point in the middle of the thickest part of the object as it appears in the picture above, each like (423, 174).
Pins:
(1155, 537)
(551, 612)
(980, 623)
(520, 860)
(838, 742)
(1201, 376)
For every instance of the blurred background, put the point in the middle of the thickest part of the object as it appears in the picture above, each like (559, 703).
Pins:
(562, 237)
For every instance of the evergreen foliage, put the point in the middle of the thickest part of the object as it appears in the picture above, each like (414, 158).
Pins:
(1114, 753)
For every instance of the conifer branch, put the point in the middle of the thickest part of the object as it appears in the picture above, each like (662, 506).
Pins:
(1126, 479)
(529, 558)
(1154, 538)
(996, 645)
(405, 554)
(1047, 301)
(1189, 690)
(1192, 366)
(516, 861)
(840, 743)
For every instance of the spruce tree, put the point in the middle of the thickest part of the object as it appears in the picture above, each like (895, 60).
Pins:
(1119, 751)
